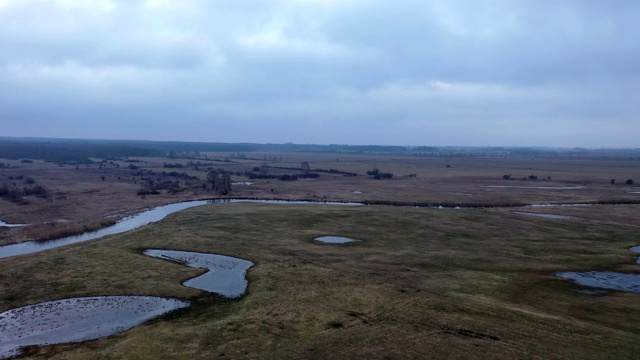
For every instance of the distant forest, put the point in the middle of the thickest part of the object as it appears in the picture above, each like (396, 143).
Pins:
(77, 151)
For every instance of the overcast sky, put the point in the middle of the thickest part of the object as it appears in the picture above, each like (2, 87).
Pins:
(539, 72)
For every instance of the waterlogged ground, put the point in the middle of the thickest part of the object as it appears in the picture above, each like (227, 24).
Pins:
(226, 275)
(77, 319)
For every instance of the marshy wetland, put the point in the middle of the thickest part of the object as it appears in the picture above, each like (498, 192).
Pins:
(474, 282)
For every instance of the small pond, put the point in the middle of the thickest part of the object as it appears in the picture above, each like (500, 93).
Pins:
(226, 275)
(77, 319)
(611, 280)
(548, 216)
(334, 239)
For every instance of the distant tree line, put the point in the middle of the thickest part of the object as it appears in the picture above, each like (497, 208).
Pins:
(69, 152)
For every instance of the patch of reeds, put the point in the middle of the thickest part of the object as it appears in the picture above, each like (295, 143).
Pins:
(57, 229)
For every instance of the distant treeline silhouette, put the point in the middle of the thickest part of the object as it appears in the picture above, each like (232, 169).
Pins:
(69, 152)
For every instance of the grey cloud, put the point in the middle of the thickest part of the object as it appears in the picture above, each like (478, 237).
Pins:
(415, 72)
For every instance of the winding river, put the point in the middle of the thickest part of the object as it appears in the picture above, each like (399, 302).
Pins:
(134, 222)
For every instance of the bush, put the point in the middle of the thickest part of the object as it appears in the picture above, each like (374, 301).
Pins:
(629, 182)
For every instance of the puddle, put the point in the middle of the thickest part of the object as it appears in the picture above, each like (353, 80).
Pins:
(334, 239)
(357, 192)
(134, 222)
(2, 223)
(77, 319)
(606, 279)
(535, 187)
(549, 216)
(226, 275)
(242, 183)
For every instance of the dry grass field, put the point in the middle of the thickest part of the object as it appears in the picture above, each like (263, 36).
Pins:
(421, 283)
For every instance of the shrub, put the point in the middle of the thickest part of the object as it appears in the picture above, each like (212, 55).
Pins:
(629, 182)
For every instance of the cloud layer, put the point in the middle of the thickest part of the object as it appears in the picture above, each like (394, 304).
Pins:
(550, 73)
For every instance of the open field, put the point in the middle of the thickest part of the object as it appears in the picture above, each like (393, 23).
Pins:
(87, 193)
(422, 283)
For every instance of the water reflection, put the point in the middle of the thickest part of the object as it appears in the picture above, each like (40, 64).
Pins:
(606, 279)
(334, 239)
(77, 319)
(226, 275)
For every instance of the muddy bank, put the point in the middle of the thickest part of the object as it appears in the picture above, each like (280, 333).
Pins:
(77, 319)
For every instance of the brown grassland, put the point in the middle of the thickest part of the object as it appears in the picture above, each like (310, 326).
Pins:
(421, 283)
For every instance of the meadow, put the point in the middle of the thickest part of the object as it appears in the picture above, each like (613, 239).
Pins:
(421, 283)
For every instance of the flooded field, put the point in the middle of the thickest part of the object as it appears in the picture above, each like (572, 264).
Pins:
(77, 319)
